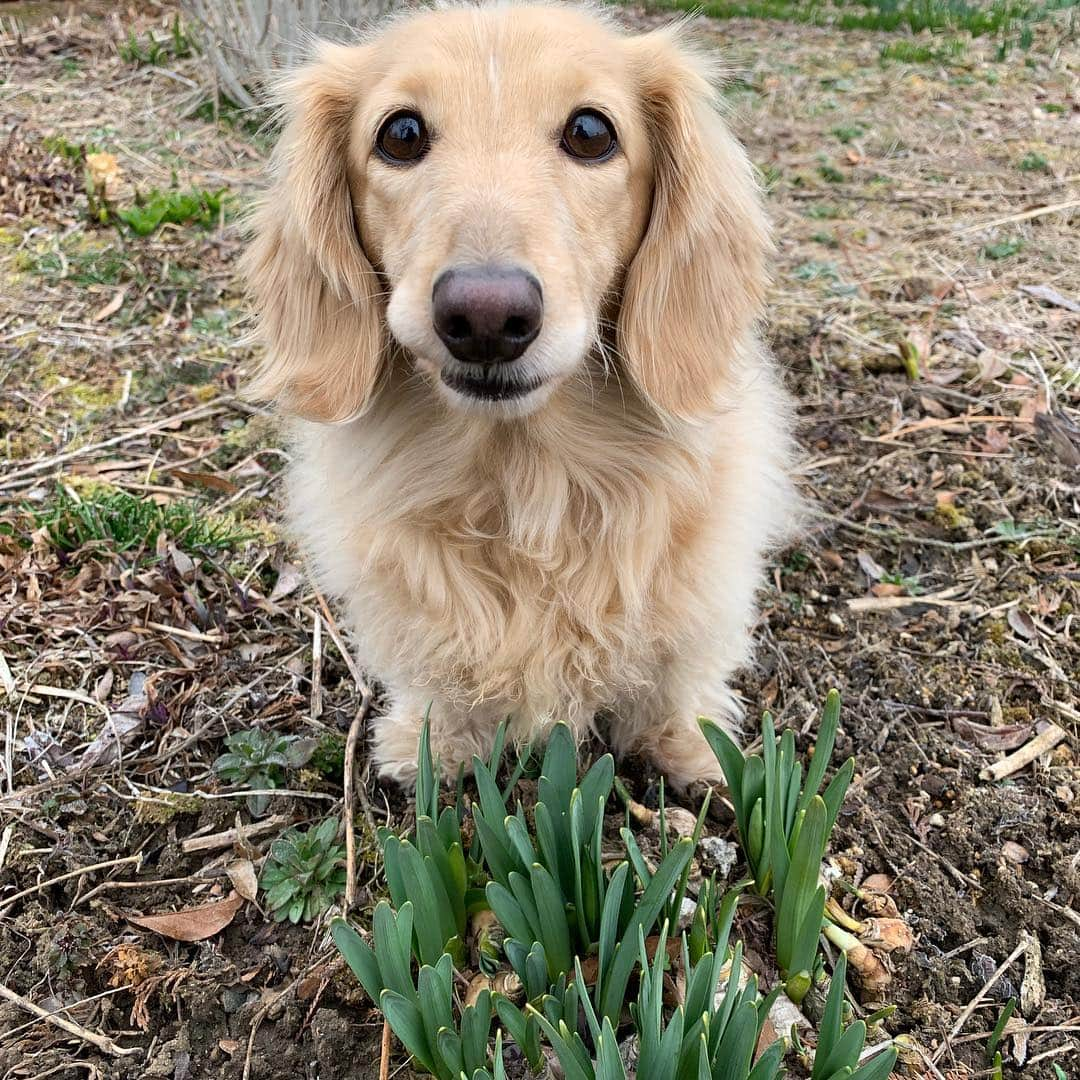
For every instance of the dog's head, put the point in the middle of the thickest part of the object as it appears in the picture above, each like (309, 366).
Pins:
(506, 194)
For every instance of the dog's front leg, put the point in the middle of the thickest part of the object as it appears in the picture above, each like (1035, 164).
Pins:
(457, 733)
(662, 723)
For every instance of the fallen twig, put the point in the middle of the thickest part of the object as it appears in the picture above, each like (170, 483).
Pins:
(1046, 740)
(973, 1004)
(226, 839)
(351, 743)
(102, 1042)
(7, 901)
(384, 1053)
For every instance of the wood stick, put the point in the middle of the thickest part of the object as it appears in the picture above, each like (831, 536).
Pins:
(7, 901)
(384, 1054)
(1046, 740)
(226, 839)
(973, 1004)
(351, 744)
(102, 1042)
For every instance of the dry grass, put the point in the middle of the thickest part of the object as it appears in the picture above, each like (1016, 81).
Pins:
(927, 216)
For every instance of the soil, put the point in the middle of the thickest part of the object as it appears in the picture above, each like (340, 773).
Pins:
(925, 210)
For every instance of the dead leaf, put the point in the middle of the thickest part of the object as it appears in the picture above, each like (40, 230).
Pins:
(205, 480)
(995, 439)
(192, 924)
(1062, 436)
(1051, 296)
(884, 501)
(112, 307)
(121, 725)
(1022, 623)
(229, 1046)
(242, 875)
(887, 588)
(868, 566)
(1014, 852)
(993, 737)
(289, 580)
(933, 407)
(184, 564)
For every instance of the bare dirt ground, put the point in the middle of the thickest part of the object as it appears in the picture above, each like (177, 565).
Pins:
(927, 309)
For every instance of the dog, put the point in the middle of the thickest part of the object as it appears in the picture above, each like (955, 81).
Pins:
(508, 273)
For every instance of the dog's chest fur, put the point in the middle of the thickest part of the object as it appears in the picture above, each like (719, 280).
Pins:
(510, 564)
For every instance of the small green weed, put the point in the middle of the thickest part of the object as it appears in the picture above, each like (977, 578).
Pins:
(812, 270)
(848, 132)
(824, 212)
(176, 46)
(258, 759)
(158, 208)
(304, 874)
(916, 52)
(831, 174)
(825, 238)
(74, 153)
(85, 265)
(121, 522)
(1034, 162)
(1003, 249)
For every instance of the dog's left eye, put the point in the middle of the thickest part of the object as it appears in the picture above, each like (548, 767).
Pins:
(589, 136)
(403, 138)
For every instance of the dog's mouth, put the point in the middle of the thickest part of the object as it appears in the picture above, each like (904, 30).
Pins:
(490, 385)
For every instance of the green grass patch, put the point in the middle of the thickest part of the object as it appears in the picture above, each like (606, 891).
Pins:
(907, 51)
(999, 17)
(112, 519)
(1034, 162)
(83, 265)
(176, 45)
(823, 212)
(1004, 249)
(848, 132)
(195, 207)
(831, 174)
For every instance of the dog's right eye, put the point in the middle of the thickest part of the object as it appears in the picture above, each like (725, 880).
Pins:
(403, 138)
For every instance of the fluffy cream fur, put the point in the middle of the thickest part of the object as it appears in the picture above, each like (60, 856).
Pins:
(597, 547)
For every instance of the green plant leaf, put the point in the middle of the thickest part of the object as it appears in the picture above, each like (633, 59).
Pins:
(878, 1067)
(475, 1025)
(823, 748)
(642, 920)
(798, 892)
(405, 1020)
(359, 956)
(732, 764)
(508, 912)
(554, 930)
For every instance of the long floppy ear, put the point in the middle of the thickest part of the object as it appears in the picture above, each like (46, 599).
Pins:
(315, 291)
(697, 282)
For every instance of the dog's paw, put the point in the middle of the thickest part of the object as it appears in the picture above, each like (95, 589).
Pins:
(685, 759)
(399, 770)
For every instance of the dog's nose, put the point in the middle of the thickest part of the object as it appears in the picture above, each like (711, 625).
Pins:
(487, 314)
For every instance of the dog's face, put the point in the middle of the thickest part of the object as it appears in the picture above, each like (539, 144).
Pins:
(506, 194)
(503, 182)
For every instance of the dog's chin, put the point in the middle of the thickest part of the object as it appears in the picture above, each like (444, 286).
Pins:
(493, 392)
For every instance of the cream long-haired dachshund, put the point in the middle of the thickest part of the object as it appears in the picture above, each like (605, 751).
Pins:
(508, 275)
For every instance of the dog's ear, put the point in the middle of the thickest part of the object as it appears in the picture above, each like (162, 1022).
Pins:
(698, 279)
(315, 291)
